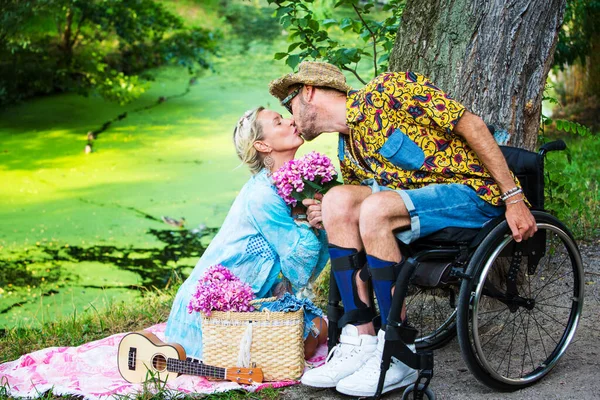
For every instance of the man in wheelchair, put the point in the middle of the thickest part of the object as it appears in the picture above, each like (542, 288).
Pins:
(414, 161)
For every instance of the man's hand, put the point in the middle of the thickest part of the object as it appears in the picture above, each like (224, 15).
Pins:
(475, 132)
(313, 211)
(520, 220)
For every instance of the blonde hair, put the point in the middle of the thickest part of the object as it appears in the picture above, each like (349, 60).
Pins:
(247, 131)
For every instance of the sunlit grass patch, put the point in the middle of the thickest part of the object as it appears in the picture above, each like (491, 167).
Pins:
(92, 323)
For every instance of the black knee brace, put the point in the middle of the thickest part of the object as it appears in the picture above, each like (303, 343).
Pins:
(345, 270)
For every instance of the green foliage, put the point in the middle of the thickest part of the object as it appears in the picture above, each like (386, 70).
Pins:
(101, 45)
(566, 126)
(571, 182)
(580, 23)
(572, 189)
(251, 23)
(312, 33)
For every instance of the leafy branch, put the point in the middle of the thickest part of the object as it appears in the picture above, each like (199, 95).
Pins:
(312, 37)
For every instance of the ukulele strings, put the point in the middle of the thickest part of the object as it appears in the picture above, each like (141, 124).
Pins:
(192, 368)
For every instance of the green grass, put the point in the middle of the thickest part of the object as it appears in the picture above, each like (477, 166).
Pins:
(92, 323)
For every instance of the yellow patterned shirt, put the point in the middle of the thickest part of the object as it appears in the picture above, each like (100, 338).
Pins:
(401, 134)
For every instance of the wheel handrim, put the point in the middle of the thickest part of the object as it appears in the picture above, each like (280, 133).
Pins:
(550, 358)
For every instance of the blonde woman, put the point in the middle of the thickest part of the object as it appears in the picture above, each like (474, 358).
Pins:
(259, 240)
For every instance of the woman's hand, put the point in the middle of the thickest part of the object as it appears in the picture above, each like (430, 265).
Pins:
(313, 211)
(282, 288)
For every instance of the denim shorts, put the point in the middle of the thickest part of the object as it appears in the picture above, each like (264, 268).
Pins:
(438, 206)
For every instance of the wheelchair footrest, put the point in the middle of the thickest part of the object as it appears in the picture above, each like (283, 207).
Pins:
(403, 332)
(422, 361)
(422, 383)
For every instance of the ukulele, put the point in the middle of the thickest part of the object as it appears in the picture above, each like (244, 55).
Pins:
(142, 354)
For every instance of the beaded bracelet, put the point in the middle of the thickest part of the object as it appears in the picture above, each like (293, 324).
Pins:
(512, 192)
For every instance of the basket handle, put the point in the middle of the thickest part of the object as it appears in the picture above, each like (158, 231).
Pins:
(265, 300)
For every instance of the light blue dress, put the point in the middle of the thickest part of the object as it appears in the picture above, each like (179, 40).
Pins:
(257, 241)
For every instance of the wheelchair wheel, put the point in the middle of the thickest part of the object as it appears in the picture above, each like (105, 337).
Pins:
(519, 311)
(427, 393)
(432, 311)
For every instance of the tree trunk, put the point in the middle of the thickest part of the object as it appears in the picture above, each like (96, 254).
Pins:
(592, 86)
(67, 44)
(491, 55)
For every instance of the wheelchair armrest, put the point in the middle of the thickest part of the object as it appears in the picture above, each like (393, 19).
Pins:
(557, 145)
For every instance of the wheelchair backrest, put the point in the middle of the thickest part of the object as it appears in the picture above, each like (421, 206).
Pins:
(529, 169)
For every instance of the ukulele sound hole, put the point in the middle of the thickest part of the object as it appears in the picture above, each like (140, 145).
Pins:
(159, 363)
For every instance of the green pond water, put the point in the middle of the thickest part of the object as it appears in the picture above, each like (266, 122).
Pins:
(79, 231)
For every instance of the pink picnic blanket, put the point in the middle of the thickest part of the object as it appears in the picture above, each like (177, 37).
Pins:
(91, 371)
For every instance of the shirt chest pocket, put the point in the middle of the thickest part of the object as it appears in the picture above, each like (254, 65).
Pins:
(402, 152)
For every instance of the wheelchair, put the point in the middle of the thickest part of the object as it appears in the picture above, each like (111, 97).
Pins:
(514, 306)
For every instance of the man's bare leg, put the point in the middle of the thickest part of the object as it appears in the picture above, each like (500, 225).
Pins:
(380, 215)
(341, 209)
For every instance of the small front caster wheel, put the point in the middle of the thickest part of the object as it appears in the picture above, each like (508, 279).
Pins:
(427, 393)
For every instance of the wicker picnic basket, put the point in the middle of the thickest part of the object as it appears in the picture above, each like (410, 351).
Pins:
(274, 340)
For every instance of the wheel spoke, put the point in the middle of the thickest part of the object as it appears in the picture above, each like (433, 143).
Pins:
(545, 331)
(554, 296)
(492, 319)
(537, 325)
(526, 347)
(509, 350)
(492, 311)
(498, 349)
(512, 349)
(537, 303)
(551, 317)
(414, 296)
(541, 289)
(501, 330)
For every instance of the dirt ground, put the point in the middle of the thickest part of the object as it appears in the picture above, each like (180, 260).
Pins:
(577, 375)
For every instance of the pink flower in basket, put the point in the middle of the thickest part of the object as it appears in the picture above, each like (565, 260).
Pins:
(304, 177)
(220, 290)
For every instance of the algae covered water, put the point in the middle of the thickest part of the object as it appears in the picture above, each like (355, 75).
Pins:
(79, 231)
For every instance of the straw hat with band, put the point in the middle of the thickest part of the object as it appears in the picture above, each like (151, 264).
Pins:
(311, 73)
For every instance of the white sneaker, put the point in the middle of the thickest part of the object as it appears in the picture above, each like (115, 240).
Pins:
(363, 382)
(344, 359)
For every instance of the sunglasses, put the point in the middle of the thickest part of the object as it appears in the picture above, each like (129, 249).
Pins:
(286, 102)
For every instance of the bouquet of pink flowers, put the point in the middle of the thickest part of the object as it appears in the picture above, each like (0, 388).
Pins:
(304, 177)
(220, 290)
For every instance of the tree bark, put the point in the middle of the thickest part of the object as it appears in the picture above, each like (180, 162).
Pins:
(593, 66)
(67, 44)
(491, 55)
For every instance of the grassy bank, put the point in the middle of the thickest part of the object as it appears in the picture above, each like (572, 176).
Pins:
(93, 324)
